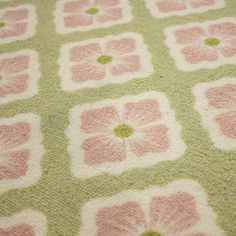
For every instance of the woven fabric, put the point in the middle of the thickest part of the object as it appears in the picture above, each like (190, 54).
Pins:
(117, 117)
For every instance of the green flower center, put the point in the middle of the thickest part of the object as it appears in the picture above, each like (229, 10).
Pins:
(92, 11)
(212, 42)
(151, 233)
(123, 131)
(1, 77)
(2, 24)
(104, 59)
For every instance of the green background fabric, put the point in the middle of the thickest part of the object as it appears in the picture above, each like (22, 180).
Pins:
(58, 194)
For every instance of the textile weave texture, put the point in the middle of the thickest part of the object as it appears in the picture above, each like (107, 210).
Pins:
(117, 118)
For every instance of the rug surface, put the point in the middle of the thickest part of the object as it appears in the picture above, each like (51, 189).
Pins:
(117, 118)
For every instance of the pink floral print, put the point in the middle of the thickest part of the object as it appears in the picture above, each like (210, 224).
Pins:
(114, 59)
(16, 154)
(173, 210)
(176, 5)
(19, 230)
(224, 98)
(165, 8)
(112, 135)
(17, 23)
(181, 206)
(86, 12)
(93, 62)
(18, 75)
(205, 45)
(220, 100)
(90, 14)
(200, 45)
(25, 223)
(14, 162)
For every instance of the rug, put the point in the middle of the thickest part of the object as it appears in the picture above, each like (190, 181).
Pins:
(117, 118)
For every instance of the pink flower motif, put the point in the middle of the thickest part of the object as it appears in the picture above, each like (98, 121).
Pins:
(16, 153)
(223, 98)
(171, 215)
(13, 79)
(174, 211)
(17, 23)
(13, 163)
(18, 76)
(94, 63)
(207, 45)
(135, 132)
(100, 61)
(177, 5)
(216, 103)
(165, 8)
(85, 12)
(112, 136)
(90, 14)
(25, 223)
(18, 230)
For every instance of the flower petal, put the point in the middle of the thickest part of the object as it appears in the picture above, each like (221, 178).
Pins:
(13, 30)
(126, 64)
(121, 220)
(175, 213)
(229, 48)
(198, 53)
(85, 52)
(76, 6)
(14, 164)
(227, 123)
(99, 120)
(110, 14)
(18, 230)
(171, 5)
(120, 46)
(223, 30)
(78, 20)
(103, 149)
(14, 135)
(15, 15)
(87, 71)
(201, 3)
(223, 97)
(142, 112)
(14, 85)
(106, 4)
(14, 65)
(190, 35)
(153, 140)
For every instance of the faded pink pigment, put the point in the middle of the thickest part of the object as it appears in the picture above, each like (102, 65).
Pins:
(14, 75)
(103, 146)
(14, 157)
(174, 215)
(224, 99)
(124, 60)
(196, 50)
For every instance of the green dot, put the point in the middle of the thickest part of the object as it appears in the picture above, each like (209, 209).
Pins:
(151, 233)
(1, 77)
(104, 59)
(92, 11)
(123, 131)
(2, 24)
(212, 42)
